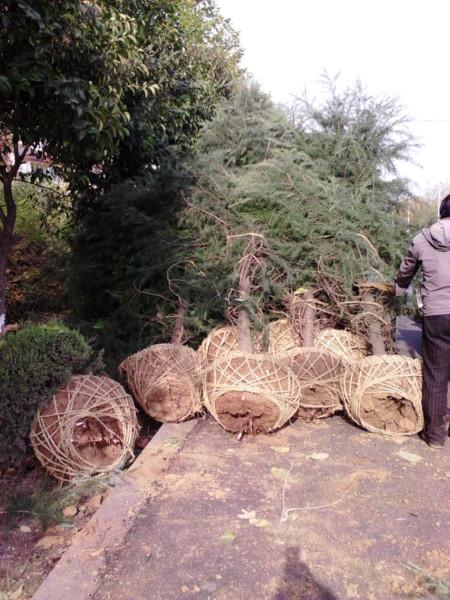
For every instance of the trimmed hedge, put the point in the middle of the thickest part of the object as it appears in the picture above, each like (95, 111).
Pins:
(34, 363)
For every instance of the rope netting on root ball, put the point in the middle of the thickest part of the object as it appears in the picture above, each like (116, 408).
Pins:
(219, 342)
(344, 344)
(251, 393)
(282, 336)
(318, 373)
(165, 379)
(88, 427)
(383, 394)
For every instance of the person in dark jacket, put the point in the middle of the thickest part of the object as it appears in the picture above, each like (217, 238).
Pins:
(430, 251)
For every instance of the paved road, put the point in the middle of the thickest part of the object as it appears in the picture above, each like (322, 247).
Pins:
(314, 512)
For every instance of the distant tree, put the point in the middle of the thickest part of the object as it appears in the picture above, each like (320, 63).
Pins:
(357, 137)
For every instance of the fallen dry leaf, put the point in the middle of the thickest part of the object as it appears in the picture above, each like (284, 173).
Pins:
(409, 456)
(319, 456)
(259, 522)
(280, 449)
(227, 536)
(247, 514)
(279, 473)
(25, 529)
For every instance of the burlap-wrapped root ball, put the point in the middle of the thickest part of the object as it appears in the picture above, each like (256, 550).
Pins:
(319, 374)
(282, 336)
(348, 346)
(250, 393)
(383, 394)
(165, 379)
(88, 427)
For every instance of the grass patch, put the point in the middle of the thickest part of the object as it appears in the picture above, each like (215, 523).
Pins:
(47, 501)
(434, 588)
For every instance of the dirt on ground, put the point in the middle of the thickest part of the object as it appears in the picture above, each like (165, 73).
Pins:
(317, 510)
(39, 519)
(36, 527)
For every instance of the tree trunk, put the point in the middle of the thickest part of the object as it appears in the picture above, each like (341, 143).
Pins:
(177, 333)
(374, 327)
(6, 242)
(245, 337)
(308, 319)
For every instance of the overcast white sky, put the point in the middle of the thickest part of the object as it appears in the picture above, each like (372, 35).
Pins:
(395, 47)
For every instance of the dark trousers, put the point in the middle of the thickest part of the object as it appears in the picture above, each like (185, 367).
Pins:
(436, 375)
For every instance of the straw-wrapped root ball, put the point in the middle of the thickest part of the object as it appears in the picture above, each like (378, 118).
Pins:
(88, 427)
(222, 341)
(383, 394)
(319, 374)
(218, 343)
(282, 336)
(165, 379)
(348, 346)
(250, 393)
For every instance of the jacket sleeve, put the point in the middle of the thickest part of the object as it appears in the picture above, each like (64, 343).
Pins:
(408, 268)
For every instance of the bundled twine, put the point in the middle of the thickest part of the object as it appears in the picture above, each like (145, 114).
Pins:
(383, 394)
(88, 427)
(258, 374)
(165, 370)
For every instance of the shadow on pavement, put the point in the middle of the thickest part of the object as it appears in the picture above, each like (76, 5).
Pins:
(298, 582)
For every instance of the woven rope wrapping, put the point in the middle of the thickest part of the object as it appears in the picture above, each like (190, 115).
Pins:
(282, 337)
(90, 426)
(383, 394)
(250, 392)
(346, 345)
(219, 342)
(319, 374)
(166, 381)
(222, 341)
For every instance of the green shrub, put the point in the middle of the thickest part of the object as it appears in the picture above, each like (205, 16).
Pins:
(34, 363)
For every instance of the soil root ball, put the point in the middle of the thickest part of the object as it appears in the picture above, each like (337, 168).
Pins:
(250, 393)
(383, 394)
(319, 374)
(348, 346)
(165, 379)
(88, 427)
